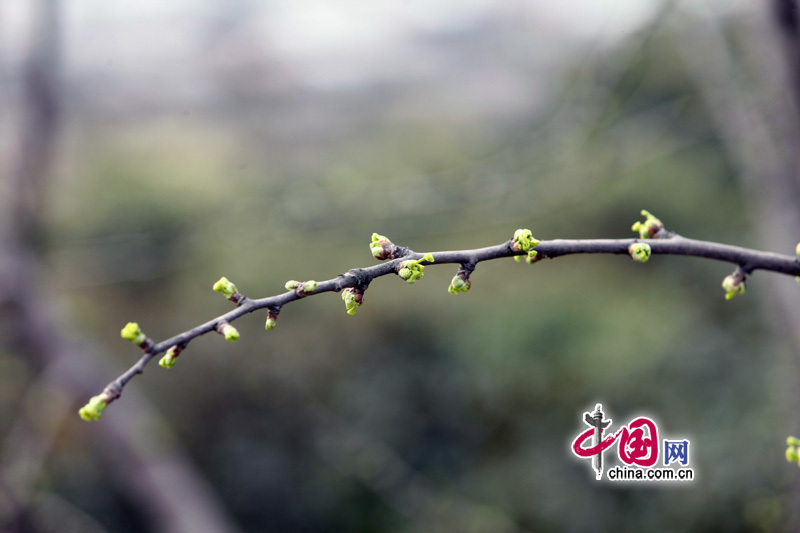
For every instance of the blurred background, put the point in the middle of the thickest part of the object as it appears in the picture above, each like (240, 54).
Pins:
(148, 148)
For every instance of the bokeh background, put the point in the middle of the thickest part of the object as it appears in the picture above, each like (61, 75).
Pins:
(147, 148)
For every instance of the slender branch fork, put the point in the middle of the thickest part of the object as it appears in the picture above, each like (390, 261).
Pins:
(663, 243)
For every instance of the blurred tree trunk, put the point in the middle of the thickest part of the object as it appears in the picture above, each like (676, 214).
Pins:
(160, 482)
(759, 123)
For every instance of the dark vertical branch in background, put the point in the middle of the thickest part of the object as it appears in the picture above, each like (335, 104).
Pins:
(759, 124)
(786, 20)
(784, 190)
(39, 117)
(161, 482)
(787, 23)
(32, 118)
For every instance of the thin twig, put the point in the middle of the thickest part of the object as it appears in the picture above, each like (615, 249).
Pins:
(666, 243)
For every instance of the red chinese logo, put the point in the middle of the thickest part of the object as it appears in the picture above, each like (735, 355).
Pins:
(638, 443)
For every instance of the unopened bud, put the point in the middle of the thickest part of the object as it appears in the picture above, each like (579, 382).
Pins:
(792, 441)
(225, 287)
(733, 286)
(226, 330)
(458, 284)
(93, 409)
(639, 252)
(381, 247)
(309, 286)
(291, 284)
(230, 333)
(133, 333)
(792, 455)
(171, 357)
(270, 323)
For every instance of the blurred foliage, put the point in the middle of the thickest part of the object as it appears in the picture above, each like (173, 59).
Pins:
(478, 394)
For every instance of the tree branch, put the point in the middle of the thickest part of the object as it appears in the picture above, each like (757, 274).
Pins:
(409, 265)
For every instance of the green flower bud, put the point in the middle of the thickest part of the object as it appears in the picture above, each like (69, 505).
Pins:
(458, 284)
(797, 251)
(309, 286)
(380, 246)
(649, 227)
(523, 241)
(412, 270)
(639, 252)
(270, 323)
(792, 441)
(230, 333)
(733, 286)
(93, 409)
(132, 333)
(225, 287)
(292, 284)
(170, 358)
(792, 455)
(797, 279)
(353, 298)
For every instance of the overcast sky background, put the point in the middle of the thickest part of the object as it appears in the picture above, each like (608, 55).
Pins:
(330, 44)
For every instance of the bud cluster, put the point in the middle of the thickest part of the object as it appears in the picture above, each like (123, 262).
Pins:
(650, 228)
(353, 297)
(524, 241)
(382, 248)
(412, 270)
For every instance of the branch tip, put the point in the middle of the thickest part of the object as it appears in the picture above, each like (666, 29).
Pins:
(132, 332)
(225, 286)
